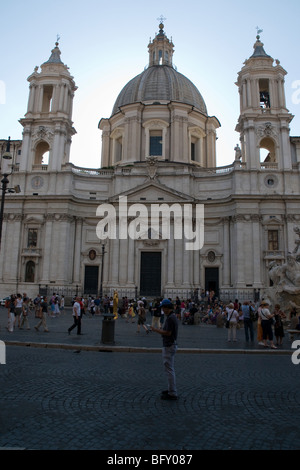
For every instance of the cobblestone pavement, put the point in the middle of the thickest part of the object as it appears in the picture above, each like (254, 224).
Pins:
(71, 397)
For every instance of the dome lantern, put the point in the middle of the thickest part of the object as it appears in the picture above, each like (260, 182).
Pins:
(161, 49)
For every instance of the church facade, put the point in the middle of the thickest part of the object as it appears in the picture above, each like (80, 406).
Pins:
(158, 148)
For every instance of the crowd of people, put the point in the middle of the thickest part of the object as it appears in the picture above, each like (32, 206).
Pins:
(20, 307)
(256, 318)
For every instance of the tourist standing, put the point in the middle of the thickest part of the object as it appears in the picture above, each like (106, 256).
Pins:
(248, 323)
(278, 326)
(11, 313)
(232, 318)
(169, 336)
(266, 323)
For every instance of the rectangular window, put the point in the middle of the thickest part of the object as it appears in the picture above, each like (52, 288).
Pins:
(32, 238)
(47, 98)
(273, 244)
(264, 93)
(155, 144)
(118, 150)
(193, 152)
(160, 57)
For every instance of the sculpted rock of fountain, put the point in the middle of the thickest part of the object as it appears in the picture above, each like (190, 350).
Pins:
(286, 279)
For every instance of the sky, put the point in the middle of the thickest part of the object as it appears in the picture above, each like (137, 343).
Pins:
(105, 44)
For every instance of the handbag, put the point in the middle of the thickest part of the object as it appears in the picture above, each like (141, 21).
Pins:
(228, 321)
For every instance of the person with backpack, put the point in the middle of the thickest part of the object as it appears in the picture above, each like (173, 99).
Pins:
(248, 313)
(37, 305)
(232, 318)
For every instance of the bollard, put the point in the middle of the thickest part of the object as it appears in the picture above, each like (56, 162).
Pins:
(108, 329)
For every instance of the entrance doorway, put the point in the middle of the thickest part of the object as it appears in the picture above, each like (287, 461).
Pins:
(91, 275)
(212, 280)
(150, 274)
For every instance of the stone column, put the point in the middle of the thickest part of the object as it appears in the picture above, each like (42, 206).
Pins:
(249, 94)
(26, 160)
(238, 261)
(62, 253)
(31, 98)
(178, 263)
(77, 250)
(47, 249)
(105, 157)
(226, 252)
(187, 265)
(130, 262)
(170, 258)
(256, 253)
(123, 261)
(61, 96)
(196, 268)
(14, 246)
(115, 260)
(4, 248)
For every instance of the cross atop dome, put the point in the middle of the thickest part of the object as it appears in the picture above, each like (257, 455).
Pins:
(161, 20)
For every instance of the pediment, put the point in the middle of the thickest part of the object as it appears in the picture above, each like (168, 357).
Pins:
(34, 219)
(272, 221)
(153, 192)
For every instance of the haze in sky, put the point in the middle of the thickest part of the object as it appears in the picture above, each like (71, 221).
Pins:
(105, 44)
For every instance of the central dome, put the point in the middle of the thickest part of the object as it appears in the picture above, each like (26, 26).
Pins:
(159, 113)
(160, 82)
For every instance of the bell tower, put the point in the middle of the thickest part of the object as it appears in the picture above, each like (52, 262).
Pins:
(48, 121)
(264, 119)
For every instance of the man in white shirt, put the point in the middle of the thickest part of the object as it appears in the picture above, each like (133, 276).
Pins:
(76, 316)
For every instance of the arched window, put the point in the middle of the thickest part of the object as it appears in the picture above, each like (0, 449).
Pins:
(29, 271)
(267, 150)
(42, 153)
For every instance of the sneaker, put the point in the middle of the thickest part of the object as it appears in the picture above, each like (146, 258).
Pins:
(167, 396)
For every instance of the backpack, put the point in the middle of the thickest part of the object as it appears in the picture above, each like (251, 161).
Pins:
(253, 314)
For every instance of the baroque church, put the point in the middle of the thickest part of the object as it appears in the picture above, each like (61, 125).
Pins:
(158, 147)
